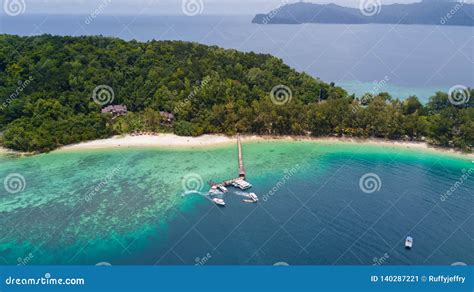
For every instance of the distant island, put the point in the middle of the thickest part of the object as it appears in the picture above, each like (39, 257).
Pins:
(427, 12)
(56, 91)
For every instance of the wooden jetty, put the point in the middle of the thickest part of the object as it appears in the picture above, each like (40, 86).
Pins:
(242, 173)
(241, 160)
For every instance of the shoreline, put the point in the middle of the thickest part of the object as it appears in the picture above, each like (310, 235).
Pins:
(174, 141)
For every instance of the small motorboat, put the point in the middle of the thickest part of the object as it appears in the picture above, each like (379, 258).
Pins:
(223, 189)
(254, 197)
(213, 190)
(218, 202)
(408, 242)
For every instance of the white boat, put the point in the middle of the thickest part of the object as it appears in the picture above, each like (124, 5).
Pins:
(254, 197)
(241, 184)
(213, 190)
(218, 202)
(408, 242)
(223, 189)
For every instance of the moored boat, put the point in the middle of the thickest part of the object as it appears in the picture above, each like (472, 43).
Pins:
(223, 189)
(408, 242)
(241, 184)
(218, 201)
(254, 197)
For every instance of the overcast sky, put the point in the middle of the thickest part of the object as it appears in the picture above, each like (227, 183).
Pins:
(171, 6)
(168, 6)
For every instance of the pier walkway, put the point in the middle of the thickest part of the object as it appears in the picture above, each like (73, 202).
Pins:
(242, 172)
(241, 160)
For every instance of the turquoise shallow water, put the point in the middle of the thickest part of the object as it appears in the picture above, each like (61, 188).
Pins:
(127, 206)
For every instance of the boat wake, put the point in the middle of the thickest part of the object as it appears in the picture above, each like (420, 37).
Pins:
(214, 197)
(243, 194)
(249, 197)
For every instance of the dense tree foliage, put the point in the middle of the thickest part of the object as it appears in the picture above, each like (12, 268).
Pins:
(47, 83)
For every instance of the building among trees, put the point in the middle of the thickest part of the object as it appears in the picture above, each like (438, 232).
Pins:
(115, 110)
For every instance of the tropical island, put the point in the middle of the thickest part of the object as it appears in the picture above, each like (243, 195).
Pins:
(56, 91)
(425, 12)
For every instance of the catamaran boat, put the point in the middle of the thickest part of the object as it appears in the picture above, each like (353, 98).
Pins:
(253, 196)
(241, 184)
(223, 189)
(408, 242)
(218, 202)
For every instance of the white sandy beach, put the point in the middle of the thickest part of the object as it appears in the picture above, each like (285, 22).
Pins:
(160, 140)
(173, 141)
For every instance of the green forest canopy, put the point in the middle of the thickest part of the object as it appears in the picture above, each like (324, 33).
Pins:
(47, 83)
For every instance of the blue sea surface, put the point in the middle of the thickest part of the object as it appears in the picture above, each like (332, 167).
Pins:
(320, 204)
(415, 59)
